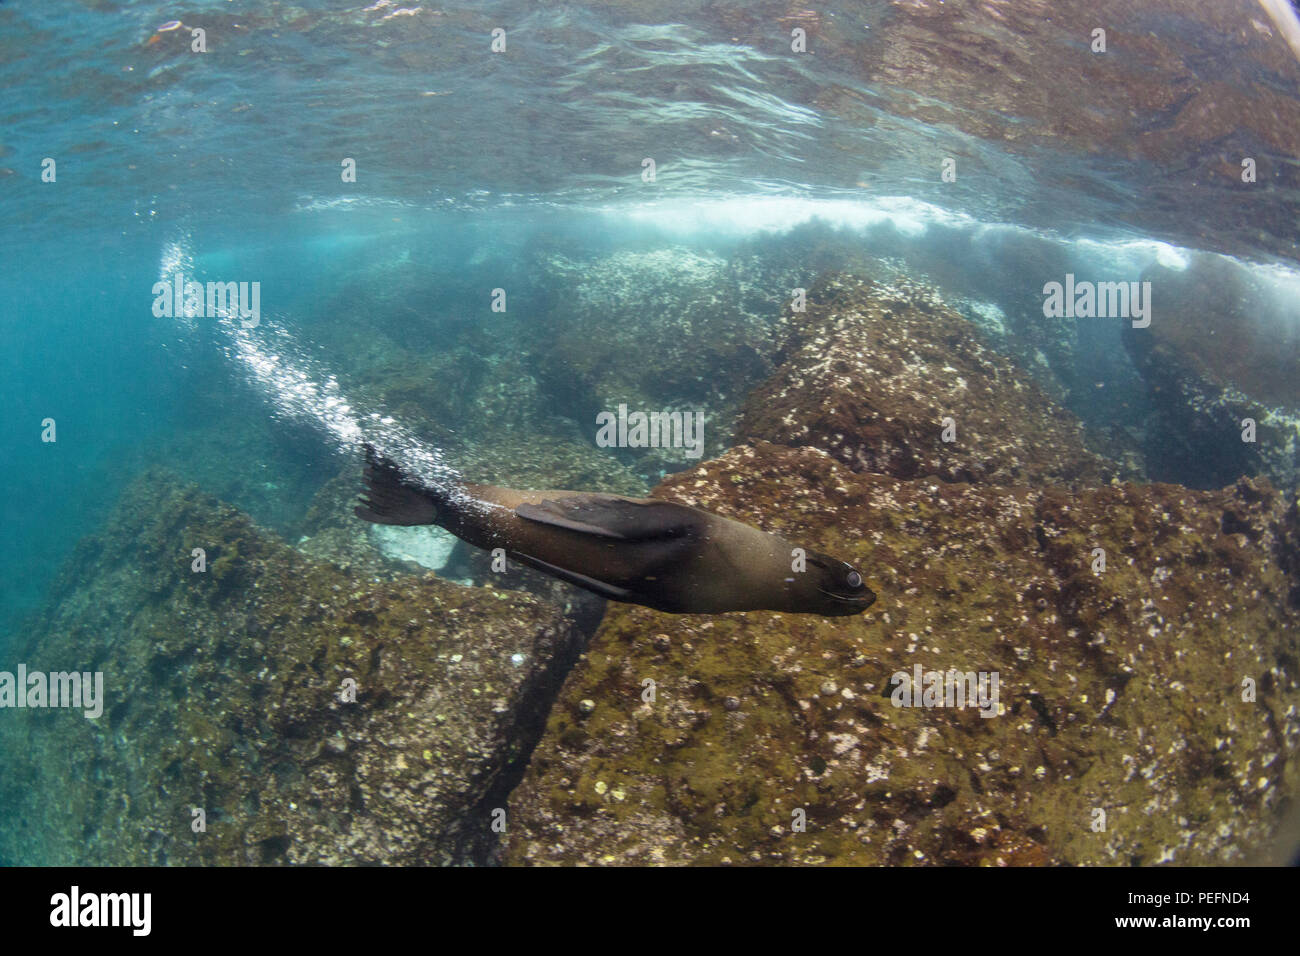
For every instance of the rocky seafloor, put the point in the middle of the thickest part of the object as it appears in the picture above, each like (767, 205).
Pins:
(1120, 690)
(491, 725)
(313, 715)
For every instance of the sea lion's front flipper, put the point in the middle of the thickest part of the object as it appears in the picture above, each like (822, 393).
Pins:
(609, 516)
(605, 590)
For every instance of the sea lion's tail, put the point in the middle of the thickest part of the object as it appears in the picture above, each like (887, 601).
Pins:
(391, 497)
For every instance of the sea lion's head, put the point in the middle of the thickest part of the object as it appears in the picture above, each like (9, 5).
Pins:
(832, 587)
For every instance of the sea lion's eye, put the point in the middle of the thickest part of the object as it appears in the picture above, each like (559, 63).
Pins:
(855, 579)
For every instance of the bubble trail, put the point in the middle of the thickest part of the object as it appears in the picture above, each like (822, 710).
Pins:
(294, 388)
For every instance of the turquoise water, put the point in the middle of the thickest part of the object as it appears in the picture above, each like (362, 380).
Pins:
(462, 153)
(478, 170)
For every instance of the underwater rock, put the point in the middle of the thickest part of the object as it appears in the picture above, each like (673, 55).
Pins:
(1122, 734)
(225, 694)
(658, 329)
(870, 374)
(661, 329)
(492, 419)
(1222, 347)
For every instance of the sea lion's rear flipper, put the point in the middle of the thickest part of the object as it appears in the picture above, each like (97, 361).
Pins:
(609, 516)
(392, 497)
(605, 590)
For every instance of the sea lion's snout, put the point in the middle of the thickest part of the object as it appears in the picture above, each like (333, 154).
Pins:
(845, 604)
(840, 586)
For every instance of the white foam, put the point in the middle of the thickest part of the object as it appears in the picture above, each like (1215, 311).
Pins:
(740, 215)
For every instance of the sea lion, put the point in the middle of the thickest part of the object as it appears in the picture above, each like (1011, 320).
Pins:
(661, 554)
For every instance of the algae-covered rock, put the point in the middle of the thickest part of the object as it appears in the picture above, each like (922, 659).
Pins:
(887, 379)
(227, 694)
(1145, 712)
(659, 329)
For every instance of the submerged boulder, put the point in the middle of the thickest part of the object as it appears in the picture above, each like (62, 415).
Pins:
(1144, 639)
(664, 329)
(886, 378)
(1221, 359)
(227, 693)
